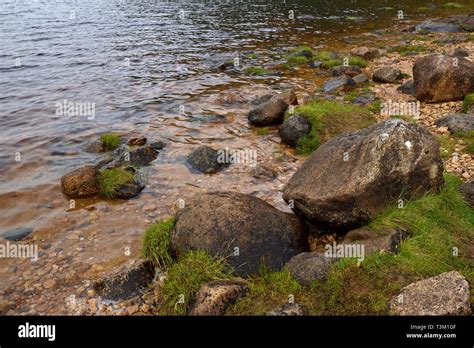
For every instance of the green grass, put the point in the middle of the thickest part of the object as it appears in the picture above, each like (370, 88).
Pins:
(446, 145)
(437, 222)
(376, 107)
(111, 180)
(157, 241)
(292, 61)
(110, 140)
(359, 61)
(468, 140)
(468, 102)
(252, 56)
(262, 131)
(186, 277)
(302, 50)
(328, 119)
(405, 50)
(406, 118)
(255, 71)
(452, 5)
(329, 60)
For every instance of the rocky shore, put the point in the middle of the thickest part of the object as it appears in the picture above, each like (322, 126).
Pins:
(373, 158)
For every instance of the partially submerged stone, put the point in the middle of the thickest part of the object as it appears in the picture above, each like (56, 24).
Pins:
(444, 294)
(272, 111)
(215, 297)
(81, 182)
(206, 160)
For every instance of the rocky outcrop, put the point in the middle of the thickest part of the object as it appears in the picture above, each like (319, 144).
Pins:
(457, 122)
(445, 294)
(243, 228)
(289, 309)
(386, 74)
(81, 182)
(381, 240)
(206, 160)
(293, 129)
(337, 83)
(272, 111)
(308, 267)
(440, 78)
(216, 296)
(350, 178)
(126, 283)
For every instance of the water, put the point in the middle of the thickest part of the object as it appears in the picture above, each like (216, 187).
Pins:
(138, 62)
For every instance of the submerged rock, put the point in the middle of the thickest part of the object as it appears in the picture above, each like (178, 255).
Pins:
(81, 182)
(215, 297)
(440, 78)
(386, 74)
(272, 112)
(126, 283)
(352, 177)
(293, 129)
(95, 146)
(206, 160)
(139, 157)
(243, 228)
(308, 267)
(444, 294)
(17, 234)
(337, 83)
(457, 122)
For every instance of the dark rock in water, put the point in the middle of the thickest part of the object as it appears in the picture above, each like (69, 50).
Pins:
(387, 239)
(130, 190)
(81, 182)
(263, 172)
(137, 141)
(138, 157)
(273, 111)
(289, 309)
(95, 146)
(293, 129)
(467, 191)
(157, 145)
(457, 122)
(460, 52)
(17, 233)
(206, 160)
(436, 26)
(352, 177)
(361, 78)
(408, 87)
(364, 99)
(351, 70)
(246, 230)
(386, 74)
(308, 267)
(339, 82)
(216, 296)
(442, 295)
(127, 283)
(437, 79)
(366, 53)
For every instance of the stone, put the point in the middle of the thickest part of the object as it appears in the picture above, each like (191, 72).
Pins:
(244, 229)
(366, 53)
(17, 234)
(408, 87)
(140, 141)
(308, 267)
(138, 157)
(273, 111)
(157, 145)
(206, 160)
(350, 70)
(95, 146)
(460, 52)
(48, 284)
(289, 309)
(381, 240)
(386, 74)
(361, 78)
(350, 178)
(437, 79)
(215, 297)
(467, 191)
(81, 182)
(264, 172)
(126, 283)
(444, 294)
(457, 122)
(364, 99)
(437, 26)
(337, 83)
(293, 129)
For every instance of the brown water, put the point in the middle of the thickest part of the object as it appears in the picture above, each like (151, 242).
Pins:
(140, 62)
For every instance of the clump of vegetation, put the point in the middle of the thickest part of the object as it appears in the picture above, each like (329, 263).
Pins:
(405, 50)
(376, 107)
(437, 222)
(112, 179)
(331, 60)
(467, 138)
(186, 277)
(452, 5)
(406, 118)
(292, 61)
(304, 51)
(359, 61)
(328, 119)
(446, 145)
(157, 242)
(262, 131)
(468, 102)
(110, 140)
(252, 56)
(255, 71)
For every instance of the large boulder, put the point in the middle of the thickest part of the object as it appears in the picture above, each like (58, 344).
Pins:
(81, 182)
(386, 74)
(293, 129)
(243, 228)
(457, 122)
(445, 294)
(206, 160)
(440, 78)
(272, 111)
(352, 177)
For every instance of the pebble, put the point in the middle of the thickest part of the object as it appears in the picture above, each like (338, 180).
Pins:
(49, 283)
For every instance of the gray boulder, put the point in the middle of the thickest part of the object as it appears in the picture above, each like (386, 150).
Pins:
(273, 111)
(361, 78)
(467, 190)
(352, 177)
(386, 74)
(457, 122)
(206, 160)
(293, 129)
(308, 267)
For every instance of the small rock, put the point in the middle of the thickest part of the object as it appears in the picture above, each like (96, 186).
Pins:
(336, 83)
(149, 207)
(460, 52)
(157, 145)
(408, 87)
(95, 146)
(263, 172)
(386, 74)
(436, 26)
(82, 182)
(273, 111)
(351, 70)
(293, 129)
(206, 160)
(361, 78)
(137, 141)
(17, 233)
(444, 294)
(132, 309)
(308, 267)
(467, 190)
(366, 53)
(48, 284)
(139, 157)
(364, 99)
(288, 309)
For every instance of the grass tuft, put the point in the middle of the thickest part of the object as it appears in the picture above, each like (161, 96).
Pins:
(452, 5)
(112, 179)
(468, 102)
(157, 241)
(255, 71)
(263, 131)
(110, 140)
